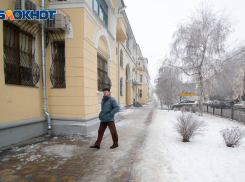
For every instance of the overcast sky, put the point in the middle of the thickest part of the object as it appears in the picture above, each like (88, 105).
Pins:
(154, 21)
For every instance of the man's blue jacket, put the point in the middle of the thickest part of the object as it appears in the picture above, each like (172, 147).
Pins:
(109, 107)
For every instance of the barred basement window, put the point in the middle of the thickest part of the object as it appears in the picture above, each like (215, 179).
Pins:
(121, 58)
(57, 69)
(20, 67)
(102, 77)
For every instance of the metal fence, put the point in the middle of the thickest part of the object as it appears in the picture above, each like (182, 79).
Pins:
(231, 113)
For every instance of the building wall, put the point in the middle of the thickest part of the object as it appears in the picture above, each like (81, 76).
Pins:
(19, 102)
(69, 101)
(80, 99)
(114, 71)
(123, 75)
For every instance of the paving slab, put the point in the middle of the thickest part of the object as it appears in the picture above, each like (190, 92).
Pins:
(69, 158)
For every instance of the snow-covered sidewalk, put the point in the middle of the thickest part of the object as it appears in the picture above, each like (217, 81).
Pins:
(205, 158)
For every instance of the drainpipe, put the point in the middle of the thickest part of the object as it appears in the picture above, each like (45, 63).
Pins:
(44, 77)
(118, 73)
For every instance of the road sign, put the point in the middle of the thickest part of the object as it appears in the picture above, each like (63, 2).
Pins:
(187, 94)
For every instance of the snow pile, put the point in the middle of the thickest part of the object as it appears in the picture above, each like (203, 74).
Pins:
(125, 112)
(205, 158)
(62, 150)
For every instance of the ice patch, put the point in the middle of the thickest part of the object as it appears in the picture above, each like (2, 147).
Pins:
(62, 150)
(5, 159)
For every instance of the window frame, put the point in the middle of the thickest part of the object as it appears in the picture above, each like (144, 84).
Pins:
(54, 61)
(103, 70)
(140, 93)
(102, 6)
(23, 68)
(121, 58)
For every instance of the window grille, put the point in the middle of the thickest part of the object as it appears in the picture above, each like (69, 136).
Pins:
(57, 69)
(101, 9)
(102, 77)
(121, 87)
(20, 67)
(121, 58)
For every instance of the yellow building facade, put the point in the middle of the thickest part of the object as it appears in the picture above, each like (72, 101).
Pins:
(88, 46)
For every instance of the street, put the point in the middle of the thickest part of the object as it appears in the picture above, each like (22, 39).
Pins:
(70, 158)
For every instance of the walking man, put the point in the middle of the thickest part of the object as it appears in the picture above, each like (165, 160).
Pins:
(109, 107)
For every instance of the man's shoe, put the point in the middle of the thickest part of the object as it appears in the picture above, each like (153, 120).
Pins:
(114, 146)
(95, 147)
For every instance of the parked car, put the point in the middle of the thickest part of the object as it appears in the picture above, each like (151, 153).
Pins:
(218, 104)
(184, 103)
(240, 105)
(229, 103)
(207, 102)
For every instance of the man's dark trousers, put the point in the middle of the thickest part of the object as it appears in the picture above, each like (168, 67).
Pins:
(113, 130)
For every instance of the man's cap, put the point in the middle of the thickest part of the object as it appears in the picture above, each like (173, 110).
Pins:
(106, 89)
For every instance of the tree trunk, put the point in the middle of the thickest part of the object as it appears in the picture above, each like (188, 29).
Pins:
(202, 94)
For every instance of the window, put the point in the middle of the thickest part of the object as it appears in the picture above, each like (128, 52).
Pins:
(127, 43)
(121, 58)
(102, 78)
(101, 9)
(140, 93)
(121, 86)
(141, 78)
(20, 67)
(57, 69)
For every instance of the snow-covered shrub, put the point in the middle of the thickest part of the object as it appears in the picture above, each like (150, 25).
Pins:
(175, 109)
(186, 109)
(183, 109)
(194, 109)
(188, 126)
(232, 136)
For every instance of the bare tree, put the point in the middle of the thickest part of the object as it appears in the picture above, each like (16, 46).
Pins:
(199, 45)
(230, 80)
(168, 84)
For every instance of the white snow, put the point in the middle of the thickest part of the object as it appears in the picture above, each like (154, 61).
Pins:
(34, 157)
(204, 159)
(128, 112)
